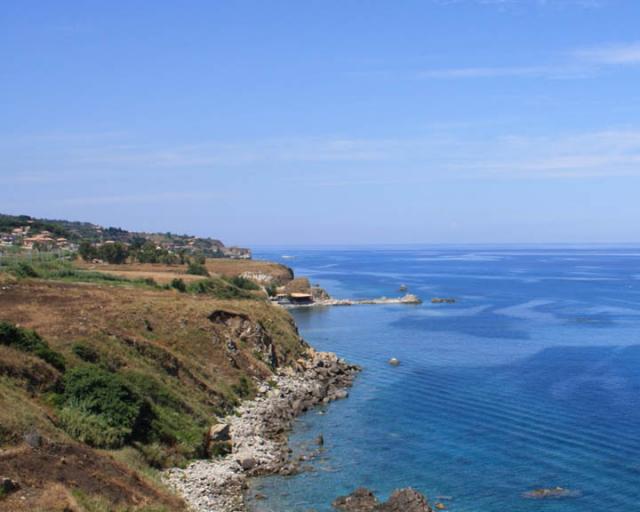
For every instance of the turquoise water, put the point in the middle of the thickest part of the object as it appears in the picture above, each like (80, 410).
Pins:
(532, 379)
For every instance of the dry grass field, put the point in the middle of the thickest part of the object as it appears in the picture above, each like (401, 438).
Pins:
(164, 274)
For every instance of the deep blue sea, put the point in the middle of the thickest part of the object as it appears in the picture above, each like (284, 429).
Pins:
(532, 379)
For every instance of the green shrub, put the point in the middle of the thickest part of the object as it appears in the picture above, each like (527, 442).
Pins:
(30, 341)
(218, 288)
(23, 269)
(272, 290)
(96, 400)
(92, 429)
(155, 455)
(220, 449)
(86, 353)
(243, 388)
(243, 283)
(179, 285)
(197, 269)
(172, 425)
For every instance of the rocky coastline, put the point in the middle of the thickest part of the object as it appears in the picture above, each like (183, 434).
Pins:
(257, 433)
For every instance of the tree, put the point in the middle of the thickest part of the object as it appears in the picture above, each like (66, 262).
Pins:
(116, 253)
(199, 258)
(197, 269)
(148, 253)
(87, 251)
(169, 258)
(137, 242)
(184, 257)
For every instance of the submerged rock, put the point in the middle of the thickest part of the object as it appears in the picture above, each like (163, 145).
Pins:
(551, 492)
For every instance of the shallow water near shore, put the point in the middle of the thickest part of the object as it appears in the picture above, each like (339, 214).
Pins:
(532, 379)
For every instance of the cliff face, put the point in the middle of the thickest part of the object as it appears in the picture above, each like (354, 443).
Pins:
(179, 360)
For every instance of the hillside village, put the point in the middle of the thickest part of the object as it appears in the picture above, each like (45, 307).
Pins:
(24, 233)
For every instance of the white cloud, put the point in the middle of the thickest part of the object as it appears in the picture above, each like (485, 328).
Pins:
(449, 152)
(581, 63)
(602, 153)
(552, 72)
(611, 54)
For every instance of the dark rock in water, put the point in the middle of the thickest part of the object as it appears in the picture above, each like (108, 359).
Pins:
(402, 500)
(292, 468)
(319, 440)
(360, 500)
(405, 500)
(443, 300)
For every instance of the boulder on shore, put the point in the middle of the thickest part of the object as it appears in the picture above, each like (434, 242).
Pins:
(220, 432)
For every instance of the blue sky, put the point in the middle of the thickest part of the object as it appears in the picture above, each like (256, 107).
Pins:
(326, 122)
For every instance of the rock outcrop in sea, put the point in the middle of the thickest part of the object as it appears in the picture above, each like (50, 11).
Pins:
(402, 500)
(257, 433)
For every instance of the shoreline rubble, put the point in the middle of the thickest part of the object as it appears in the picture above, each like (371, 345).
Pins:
(258, 433)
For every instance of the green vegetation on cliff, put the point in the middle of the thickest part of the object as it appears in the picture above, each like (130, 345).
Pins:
(128, 370)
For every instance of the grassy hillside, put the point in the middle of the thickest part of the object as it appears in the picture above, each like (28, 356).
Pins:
(111, 379)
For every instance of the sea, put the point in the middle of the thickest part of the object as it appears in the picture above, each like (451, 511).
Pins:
(530, 380)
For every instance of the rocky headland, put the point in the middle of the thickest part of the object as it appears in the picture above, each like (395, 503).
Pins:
(256, 435)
